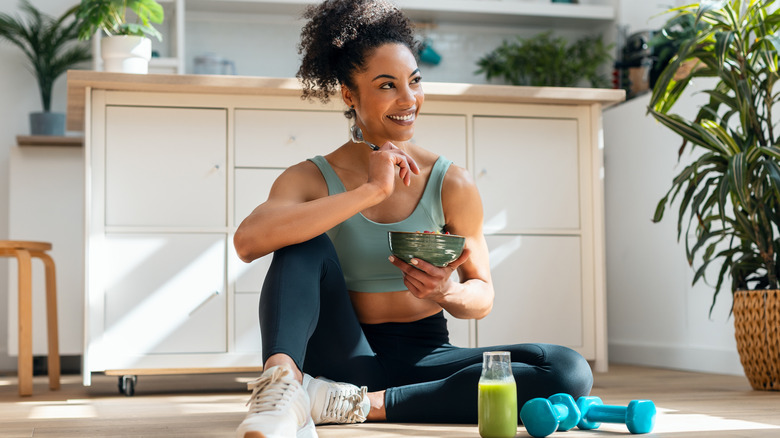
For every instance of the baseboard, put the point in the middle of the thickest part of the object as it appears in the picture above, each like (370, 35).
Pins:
(677, 357)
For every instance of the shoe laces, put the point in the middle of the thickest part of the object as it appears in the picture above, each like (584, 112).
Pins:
(270, 391)
(343, 404)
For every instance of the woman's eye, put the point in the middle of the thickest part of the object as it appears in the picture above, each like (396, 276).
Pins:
(387, 85)
(417, 80)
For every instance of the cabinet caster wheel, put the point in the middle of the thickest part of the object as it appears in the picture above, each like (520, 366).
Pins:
(127, 385)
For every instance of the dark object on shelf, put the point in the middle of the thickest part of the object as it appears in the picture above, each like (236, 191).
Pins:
(635, 66)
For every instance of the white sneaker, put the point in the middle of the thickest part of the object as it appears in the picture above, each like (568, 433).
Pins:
(336, 402)
(278, 408)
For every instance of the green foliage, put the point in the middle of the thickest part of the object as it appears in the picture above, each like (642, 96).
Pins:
(544, 60)
(730, 205)
(110, 16)
(47, 44)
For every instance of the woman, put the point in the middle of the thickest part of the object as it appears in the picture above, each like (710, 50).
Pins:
(333, 305)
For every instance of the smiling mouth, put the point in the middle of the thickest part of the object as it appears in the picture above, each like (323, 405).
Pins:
(405, 118)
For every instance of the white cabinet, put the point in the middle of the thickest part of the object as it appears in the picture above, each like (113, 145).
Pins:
(528, 172)
(444, 134)
(165, 166)
(273, 138)
(164, 294)
(171, 172)
(534, 170)
(539, 292)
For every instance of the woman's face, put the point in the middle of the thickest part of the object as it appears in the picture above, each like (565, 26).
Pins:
(388, 96)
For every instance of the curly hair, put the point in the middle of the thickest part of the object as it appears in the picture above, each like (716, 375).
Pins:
(340, 35)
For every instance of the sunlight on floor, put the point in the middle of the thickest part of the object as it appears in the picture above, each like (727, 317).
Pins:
(63, 409)
(210, 405)
(673, 421)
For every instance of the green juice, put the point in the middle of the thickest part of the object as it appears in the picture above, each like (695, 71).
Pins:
(497, 409)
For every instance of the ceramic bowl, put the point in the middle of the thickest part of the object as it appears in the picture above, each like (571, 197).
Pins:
(436, 249)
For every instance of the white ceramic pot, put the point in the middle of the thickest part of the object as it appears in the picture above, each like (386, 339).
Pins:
(126, 54)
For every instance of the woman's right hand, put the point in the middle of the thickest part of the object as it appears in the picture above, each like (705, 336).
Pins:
(382, 164)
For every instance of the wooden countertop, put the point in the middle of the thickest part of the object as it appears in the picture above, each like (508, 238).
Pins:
(79, 80)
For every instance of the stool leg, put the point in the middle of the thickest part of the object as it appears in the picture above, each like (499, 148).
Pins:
(25, 364)
(51, 322)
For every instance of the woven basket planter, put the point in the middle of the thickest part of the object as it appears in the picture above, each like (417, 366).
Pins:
(757, 329)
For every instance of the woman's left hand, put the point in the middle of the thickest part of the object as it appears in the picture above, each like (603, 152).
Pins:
(426, 281)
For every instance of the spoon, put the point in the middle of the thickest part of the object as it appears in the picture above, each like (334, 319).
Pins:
(357, 136)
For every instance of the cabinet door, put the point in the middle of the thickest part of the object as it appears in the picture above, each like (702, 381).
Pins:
(251, 189)
(527, 171)
(247, 323)
(538, 285)
(165, 166)
(277, 138)
(164, 293)
(444, 135)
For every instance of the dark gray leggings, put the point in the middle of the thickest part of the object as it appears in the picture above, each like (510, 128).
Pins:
(306, 313)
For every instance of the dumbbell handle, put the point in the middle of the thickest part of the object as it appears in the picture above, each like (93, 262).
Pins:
(606, 414)
(561, 411)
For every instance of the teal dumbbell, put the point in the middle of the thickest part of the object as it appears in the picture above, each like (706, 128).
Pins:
(543, 416)
(639, 415)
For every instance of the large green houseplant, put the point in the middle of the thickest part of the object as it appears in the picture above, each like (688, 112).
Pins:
(729, 195)
(127, 25)
(51, 48)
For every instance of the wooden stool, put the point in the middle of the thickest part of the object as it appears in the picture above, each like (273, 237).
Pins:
(24, 251)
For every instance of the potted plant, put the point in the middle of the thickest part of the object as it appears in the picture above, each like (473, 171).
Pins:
(729, 209)
(127, 48)
(48, 44)
(544, 60)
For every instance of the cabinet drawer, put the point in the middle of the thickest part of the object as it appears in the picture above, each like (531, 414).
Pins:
(538, 284)
(251, 189)
(443, 135)
(164, 293)
(247, 323)
(528, 173)
(165, 166)
(277, 138)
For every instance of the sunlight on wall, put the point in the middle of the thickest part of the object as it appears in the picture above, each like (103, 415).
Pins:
(503, 252)
(134, 253)
(496, 223)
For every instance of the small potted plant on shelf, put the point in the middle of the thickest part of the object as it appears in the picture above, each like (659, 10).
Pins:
(547, 61)
(127, 47)
(51, 47)
(729, 209)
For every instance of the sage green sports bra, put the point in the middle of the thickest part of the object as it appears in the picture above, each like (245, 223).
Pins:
(361, 243)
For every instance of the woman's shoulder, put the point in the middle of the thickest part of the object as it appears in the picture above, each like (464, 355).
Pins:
(458, 178)
(304, 177)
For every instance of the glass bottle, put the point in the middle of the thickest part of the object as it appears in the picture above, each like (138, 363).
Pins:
(497, 396)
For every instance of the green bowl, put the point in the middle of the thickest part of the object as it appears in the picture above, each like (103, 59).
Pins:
(436, 249)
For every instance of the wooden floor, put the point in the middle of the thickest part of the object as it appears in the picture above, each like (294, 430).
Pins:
(690, 405)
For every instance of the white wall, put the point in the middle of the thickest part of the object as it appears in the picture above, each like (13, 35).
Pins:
(18, 97)
(266, 45)
(656, 317)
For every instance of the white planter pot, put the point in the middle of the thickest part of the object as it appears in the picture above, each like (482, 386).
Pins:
(126, 54)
